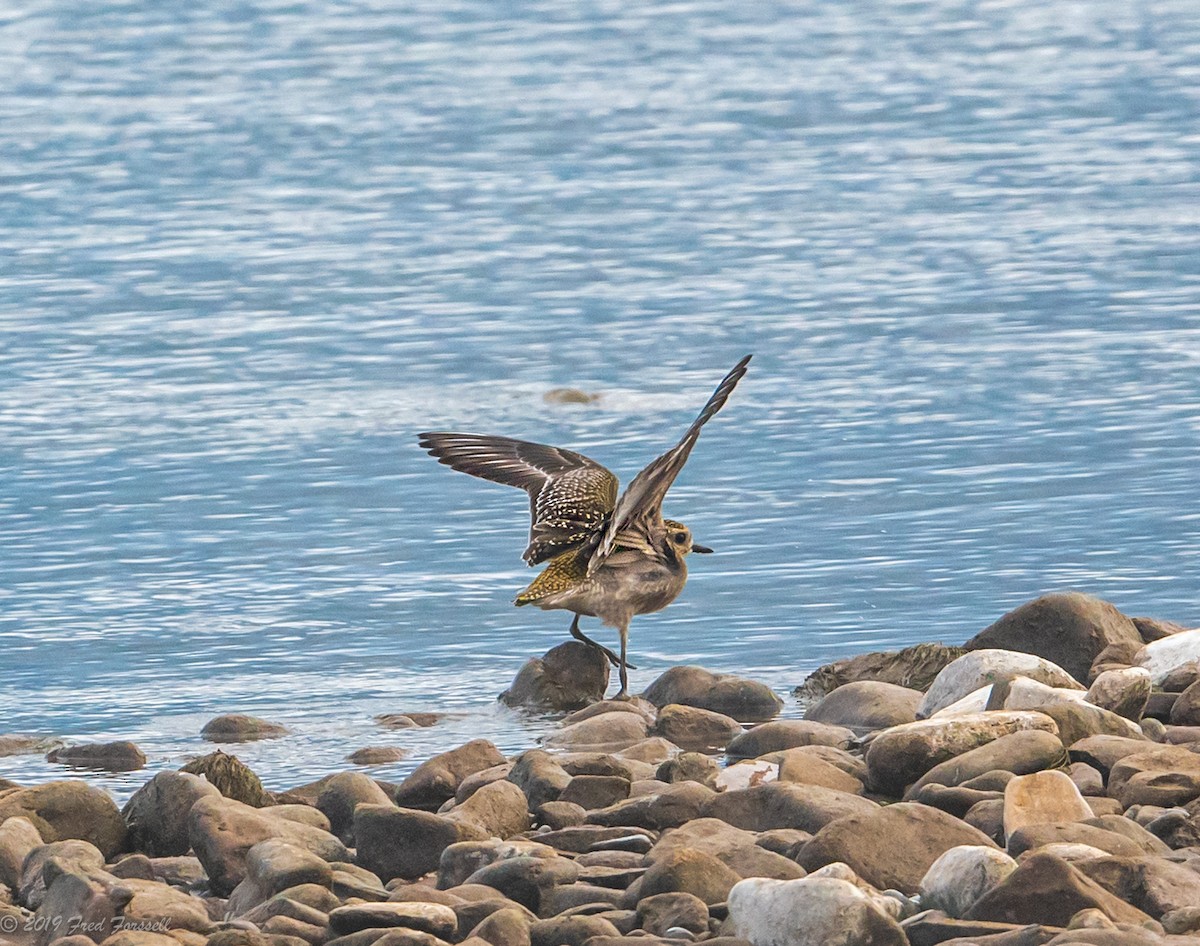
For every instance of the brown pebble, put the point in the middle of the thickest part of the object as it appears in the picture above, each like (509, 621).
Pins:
(377, 755)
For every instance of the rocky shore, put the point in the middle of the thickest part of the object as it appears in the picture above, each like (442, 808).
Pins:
(1040, 784)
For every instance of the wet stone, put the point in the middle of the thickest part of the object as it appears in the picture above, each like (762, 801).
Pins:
(110, 756)
(377, 755)
(239, 727)
(566, 677)
(742, 699)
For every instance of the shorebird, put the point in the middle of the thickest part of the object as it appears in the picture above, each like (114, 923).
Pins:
(609, 558)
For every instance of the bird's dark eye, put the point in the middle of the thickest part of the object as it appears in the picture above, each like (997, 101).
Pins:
(680, 537)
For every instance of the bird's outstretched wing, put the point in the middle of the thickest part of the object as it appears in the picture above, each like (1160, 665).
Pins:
(638, 514)
(570, 496)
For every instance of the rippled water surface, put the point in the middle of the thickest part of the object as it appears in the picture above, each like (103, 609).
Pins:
(247, 251)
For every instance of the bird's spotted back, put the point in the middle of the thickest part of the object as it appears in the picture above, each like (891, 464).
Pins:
(569, 510)
(562, 574)
(570, 496)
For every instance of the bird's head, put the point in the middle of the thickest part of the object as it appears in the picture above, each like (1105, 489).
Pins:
(679, 537)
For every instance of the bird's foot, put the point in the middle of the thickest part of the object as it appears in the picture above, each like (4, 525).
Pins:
(612, 658)
(623, 695)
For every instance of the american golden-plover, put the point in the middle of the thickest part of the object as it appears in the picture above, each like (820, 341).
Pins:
(609, 558)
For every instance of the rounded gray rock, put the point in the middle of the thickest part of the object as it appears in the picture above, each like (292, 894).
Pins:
(436, 780)
(121, 756)
(239, 727)
(1068, 628)
(867, 705)
(788, 734)
(961, 875)
(566, 677)
(157, 813)
(744, 700)
(342, 794)
(891, 847)
(69, 810)
(692, 728)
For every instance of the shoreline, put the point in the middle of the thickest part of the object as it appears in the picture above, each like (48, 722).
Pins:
(1038, 785)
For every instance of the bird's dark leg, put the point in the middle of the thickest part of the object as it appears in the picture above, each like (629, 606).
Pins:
(580, 636)
(623, 693)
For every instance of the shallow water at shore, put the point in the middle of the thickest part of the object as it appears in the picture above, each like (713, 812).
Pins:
(251, 252)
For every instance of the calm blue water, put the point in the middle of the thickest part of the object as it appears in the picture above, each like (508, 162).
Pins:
(247, 251)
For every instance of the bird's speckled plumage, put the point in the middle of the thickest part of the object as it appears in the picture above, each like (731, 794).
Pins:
(570, 496)
(564, 572)
(608, 558)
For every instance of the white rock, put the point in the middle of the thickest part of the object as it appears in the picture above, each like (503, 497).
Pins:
(1073, 851)
(1024, 693)
(841, 871)
(811, 911)
(1123, 691)
(980, 667)
(1162, 656)
(961, 876)
(746, 774)
(974, 702)
(1048, 797)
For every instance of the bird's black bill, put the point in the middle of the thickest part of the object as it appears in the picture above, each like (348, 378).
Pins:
(701, 548)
